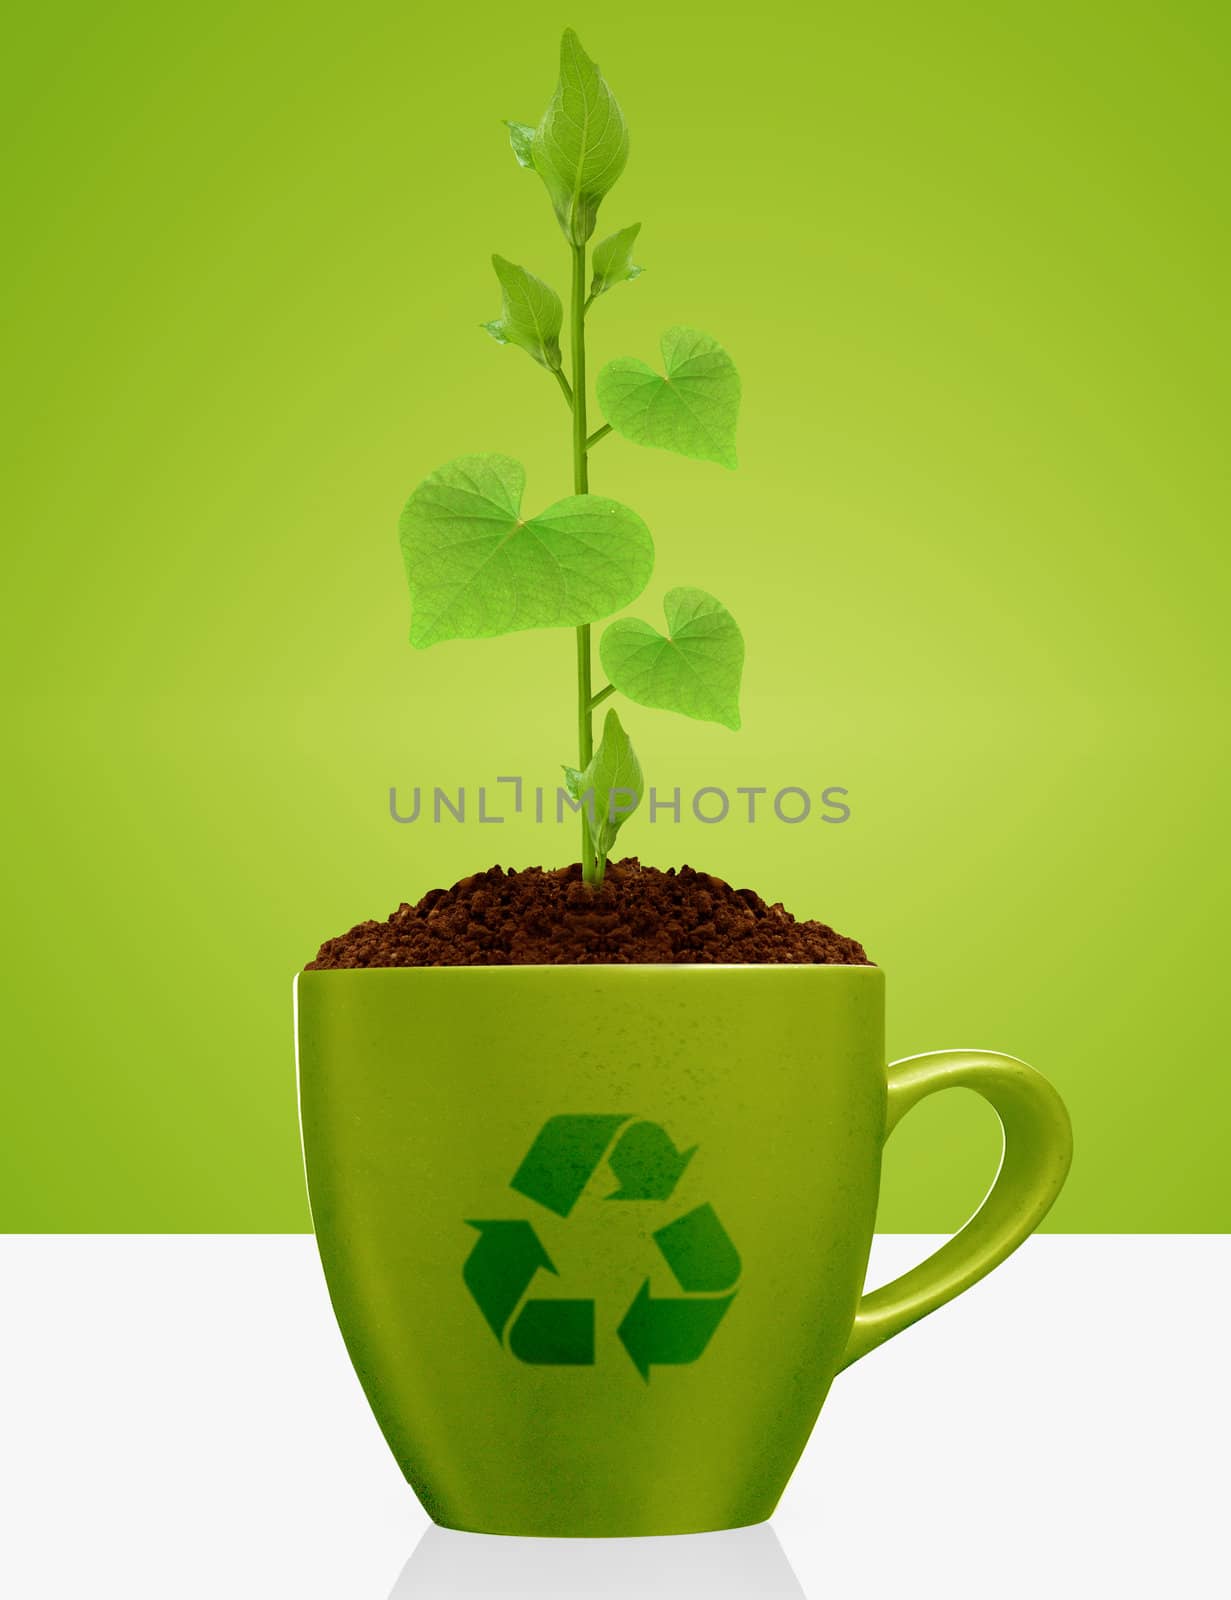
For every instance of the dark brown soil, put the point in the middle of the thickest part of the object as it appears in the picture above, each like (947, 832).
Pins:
(504, 918)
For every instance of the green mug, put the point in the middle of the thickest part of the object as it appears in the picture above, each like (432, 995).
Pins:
(596, 1235)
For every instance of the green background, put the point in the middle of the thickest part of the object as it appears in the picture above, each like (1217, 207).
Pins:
(971, 263)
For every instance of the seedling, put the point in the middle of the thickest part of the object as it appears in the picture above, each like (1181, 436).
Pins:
(479, 565)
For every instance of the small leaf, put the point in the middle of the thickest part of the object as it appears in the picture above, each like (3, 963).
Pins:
(614, 781)
(532, 314)
(581, 144)
(693, 410)
(695, 670)
(613, 260)
(477, 568)
(521, 137)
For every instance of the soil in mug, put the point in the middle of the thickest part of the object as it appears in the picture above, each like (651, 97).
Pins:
(531, 917)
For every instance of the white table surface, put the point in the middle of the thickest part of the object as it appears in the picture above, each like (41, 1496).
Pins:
(178, 1418)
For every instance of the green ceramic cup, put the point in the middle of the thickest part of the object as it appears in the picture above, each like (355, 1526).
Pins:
(596, 1236)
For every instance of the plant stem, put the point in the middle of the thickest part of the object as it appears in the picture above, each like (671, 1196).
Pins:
(585, 734)
(581, 475)
(581, 485)
(596, 700)
(565, 387)
(599, 433)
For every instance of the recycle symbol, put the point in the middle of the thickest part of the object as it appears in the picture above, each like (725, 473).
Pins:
(664, 1331)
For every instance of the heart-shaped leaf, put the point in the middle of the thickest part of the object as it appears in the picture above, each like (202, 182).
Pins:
(693, 410)
(695, 670)
(581, 145)
(532, 314)
(613, 260)
(612, 786)
(477, 568)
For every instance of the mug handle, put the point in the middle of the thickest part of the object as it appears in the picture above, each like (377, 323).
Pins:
(1037, 1153)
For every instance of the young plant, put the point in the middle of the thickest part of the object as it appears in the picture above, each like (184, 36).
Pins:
(479, 565)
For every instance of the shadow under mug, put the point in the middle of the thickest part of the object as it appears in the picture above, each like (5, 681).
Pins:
(741, 1564)
(596, 1236)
